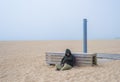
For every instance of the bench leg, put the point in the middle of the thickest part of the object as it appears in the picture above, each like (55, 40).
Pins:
(94, 62)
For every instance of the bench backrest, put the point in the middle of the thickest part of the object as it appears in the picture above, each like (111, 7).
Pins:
(81, 58)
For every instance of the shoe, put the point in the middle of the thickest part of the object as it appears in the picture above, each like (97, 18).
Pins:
(57, 69)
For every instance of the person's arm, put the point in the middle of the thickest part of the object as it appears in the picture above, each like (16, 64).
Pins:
(62, 61)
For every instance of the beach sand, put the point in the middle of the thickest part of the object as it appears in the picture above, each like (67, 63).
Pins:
(24, 61)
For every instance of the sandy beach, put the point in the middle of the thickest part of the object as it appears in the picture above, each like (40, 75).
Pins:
(24, 61)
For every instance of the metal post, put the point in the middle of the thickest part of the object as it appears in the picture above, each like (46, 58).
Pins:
(85, 35)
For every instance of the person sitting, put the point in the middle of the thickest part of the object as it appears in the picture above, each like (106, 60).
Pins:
(67, 62)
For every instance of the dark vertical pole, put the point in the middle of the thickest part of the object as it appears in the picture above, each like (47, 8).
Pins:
(85, 35)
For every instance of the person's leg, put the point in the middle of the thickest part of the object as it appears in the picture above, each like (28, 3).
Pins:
(66, 67)
(58, 66)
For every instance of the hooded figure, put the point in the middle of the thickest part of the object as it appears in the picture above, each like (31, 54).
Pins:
(67, 62)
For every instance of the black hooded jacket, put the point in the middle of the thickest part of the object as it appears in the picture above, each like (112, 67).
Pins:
(68, 59)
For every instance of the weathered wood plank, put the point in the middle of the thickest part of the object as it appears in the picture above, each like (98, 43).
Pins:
(77, 59)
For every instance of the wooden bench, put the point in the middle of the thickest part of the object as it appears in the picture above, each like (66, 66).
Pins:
(53, 58)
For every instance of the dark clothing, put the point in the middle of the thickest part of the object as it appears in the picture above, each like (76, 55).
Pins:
(69, 59)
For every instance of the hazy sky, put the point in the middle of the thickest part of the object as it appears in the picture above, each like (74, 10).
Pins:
(58, 19)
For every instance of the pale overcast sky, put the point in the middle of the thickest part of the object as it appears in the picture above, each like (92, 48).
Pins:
(58, 19)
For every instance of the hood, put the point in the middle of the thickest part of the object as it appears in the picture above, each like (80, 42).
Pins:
(67, 51)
